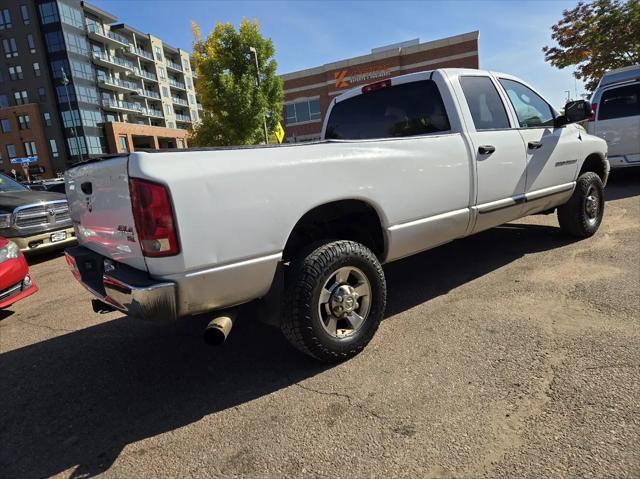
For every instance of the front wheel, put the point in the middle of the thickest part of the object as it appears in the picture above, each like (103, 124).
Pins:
(334, 300)
(582, 214)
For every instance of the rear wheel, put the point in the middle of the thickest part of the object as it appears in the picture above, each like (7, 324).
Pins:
(334, 301)
(582, 214)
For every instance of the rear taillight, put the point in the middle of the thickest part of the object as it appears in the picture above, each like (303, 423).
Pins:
(376, 86)
(594, 109)
(154, 219)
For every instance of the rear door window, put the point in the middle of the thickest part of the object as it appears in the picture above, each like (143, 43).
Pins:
(408, 109)
(485, 105)
(620, 102)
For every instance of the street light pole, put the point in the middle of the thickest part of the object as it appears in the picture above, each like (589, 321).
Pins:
(264, 117)
(65, 82)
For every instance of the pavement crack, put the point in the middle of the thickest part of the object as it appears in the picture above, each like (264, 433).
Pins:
(327, 393)
(52, 329)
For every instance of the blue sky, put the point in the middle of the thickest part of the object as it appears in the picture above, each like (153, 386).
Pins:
(310, 33)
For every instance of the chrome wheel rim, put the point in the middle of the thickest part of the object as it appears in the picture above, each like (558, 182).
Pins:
(592, 205)
(345, 302)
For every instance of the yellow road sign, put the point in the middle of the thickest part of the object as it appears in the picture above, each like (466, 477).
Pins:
(279, 132)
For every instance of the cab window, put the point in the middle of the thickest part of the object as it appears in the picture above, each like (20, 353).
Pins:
(408, 109)
(485, 105)
(620, 102)
(532, 111)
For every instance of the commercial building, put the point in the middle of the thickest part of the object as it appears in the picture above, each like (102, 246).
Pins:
(99, 86)
(309, 92)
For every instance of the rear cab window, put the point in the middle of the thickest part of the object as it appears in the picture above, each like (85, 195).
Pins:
(404, 110)
(484, 102)
(620, 102)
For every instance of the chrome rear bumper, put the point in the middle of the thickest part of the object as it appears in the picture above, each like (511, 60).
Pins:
(127, 289)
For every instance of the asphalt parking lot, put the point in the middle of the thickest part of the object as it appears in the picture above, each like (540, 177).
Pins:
(514, 353)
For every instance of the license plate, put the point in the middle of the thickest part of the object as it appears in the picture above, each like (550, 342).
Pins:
(58, 236)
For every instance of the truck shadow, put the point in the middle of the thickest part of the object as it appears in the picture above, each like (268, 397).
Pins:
(76, 400)
(623, 183)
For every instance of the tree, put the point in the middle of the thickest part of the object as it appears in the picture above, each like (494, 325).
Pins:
(597, 37)
(234, 107)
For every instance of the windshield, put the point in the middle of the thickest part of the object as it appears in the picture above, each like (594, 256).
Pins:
(7, 184)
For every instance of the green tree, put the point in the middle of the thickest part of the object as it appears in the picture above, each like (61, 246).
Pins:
(596, 37)
(234, 107)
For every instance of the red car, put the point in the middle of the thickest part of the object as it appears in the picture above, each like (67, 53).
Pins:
(15, 280)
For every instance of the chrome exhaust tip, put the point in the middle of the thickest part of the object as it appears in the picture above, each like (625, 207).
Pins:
(218, 329)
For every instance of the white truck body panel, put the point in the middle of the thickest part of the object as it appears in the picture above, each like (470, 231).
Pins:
(235, 209)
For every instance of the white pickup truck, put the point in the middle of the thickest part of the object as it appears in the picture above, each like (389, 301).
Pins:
(406, 164)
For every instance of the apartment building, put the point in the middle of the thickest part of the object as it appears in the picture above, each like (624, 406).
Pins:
(308, 93)
(113, 87)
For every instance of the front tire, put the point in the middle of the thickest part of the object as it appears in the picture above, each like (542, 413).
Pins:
(334, 300)
(582, 214)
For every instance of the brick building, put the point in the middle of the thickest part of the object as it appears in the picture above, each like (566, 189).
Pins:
(309, 92)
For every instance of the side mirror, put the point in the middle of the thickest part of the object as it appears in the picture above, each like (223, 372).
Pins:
(576, 111)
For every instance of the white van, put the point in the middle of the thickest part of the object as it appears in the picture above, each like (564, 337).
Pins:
(616, 115)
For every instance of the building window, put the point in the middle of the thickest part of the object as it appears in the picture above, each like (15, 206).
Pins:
(302, 111)
(36, 69)
(70, 16)
(5, 124)
(15, 73)
(62, 94)
(24, 122)
(5, 19)
(82, 70)
(30, 148)
(31, 43)
(180, 143)
(42, 94)
(87, 94)
(163, 76)
(21, 97)
(47, 118)
(70, 118)
(185, 64)
(123, 143)
(54, 148)
(54, 41)
(91, 118)
(165, 91)
(76, 145)
(158, 53)
(10, 47)
(4, 101)
(168, 110)
(48, 13)
(11, 151)
(194, 115)
(170, 124)
(76, 43)
(24, 11)
(95, 146)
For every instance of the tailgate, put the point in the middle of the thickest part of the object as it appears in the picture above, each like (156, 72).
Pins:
(100, 207)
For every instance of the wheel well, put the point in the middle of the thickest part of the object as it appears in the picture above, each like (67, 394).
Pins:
(353, 220)
(594, 163)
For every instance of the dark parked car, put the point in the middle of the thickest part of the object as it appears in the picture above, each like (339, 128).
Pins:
(56, 185)
(34, 220)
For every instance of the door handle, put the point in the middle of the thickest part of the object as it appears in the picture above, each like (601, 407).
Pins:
(535, 145)
(486, 149)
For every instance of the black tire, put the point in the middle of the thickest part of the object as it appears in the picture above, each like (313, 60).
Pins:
(577, 217)
(302, 313)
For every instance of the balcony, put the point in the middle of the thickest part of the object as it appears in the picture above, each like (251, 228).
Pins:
(179, 101)
(183, 118)
(125, 106)
(145, 74)
(118, 85)
(173, 65)
(96, 32)
(109, 61)
(141, 53)
(152, 112)
(149, 94)
(176, 84)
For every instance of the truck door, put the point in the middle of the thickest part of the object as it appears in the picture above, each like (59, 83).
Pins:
(550, 151)
(499, 153)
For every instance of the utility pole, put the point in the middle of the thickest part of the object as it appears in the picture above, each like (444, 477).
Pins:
(65, 82)
(264, 117)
